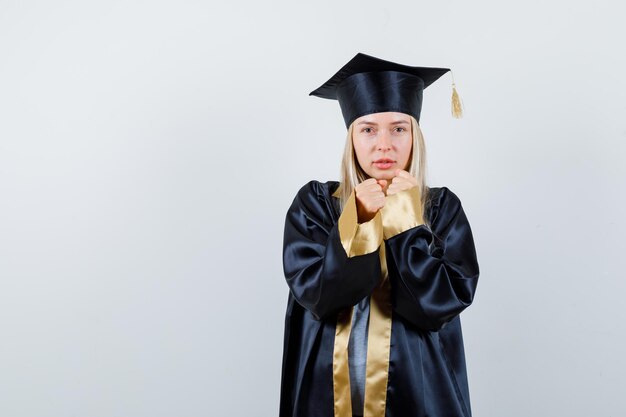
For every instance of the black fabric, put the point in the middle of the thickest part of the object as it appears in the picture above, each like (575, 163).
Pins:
(367, 84)
(433, 279)
(375, 92)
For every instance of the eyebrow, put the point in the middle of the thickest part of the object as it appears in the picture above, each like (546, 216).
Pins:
(365, 122)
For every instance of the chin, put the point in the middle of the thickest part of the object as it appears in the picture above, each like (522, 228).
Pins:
(384, 175)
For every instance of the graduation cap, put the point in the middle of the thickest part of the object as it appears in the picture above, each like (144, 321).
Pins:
(367, 84)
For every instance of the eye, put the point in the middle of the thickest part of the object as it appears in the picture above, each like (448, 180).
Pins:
(366, 129)
(402, 129)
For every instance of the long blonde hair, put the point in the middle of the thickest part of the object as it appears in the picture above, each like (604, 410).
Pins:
(352, 174)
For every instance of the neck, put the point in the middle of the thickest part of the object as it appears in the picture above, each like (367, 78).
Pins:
(385, 188)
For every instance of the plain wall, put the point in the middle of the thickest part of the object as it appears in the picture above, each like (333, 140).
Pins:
(149, 152)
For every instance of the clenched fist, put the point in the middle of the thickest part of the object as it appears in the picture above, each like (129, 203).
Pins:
(401, 181)
(372, 193)
(369, 198)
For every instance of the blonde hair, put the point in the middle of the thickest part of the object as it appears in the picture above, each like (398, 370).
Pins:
(352, 174)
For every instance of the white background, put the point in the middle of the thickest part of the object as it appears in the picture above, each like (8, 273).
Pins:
(149, 151)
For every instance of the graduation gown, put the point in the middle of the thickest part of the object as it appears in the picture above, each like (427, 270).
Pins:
(419, 282)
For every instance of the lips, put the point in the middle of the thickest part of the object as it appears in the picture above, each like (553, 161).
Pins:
(384, 163)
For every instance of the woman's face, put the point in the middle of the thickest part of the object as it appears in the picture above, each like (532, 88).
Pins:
(382, 143)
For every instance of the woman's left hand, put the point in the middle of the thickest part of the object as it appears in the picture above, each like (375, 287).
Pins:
(401, 181)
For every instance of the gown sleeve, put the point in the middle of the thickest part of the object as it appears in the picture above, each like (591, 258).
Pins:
(433, 277)
(329, 265)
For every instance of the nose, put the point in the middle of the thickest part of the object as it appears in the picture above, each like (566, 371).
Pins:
(384, 142)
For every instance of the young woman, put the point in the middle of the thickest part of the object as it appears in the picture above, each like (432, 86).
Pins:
(379, 265)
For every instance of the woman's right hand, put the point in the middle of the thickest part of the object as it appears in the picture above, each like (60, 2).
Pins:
(369, 198)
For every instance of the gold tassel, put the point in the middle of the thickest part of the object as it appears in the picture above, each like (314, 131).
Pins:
(457, 107)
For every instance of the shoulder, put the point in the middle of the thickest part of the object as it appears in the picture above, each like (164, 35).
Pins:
(313, 202)
(317, 189)
(315, 195)
(442, 203)
(443, 195)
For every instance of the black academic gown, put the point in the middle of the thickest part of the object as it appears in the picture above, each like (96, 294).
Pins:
(432, 280)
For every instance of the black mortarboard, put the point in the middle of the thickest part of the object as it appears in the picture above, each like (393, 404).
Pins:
(367, 84)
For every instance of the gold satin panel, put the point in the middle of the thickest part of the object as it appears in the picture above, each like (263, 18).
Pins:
(401, 212)
(378, 345)
(359, 239)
